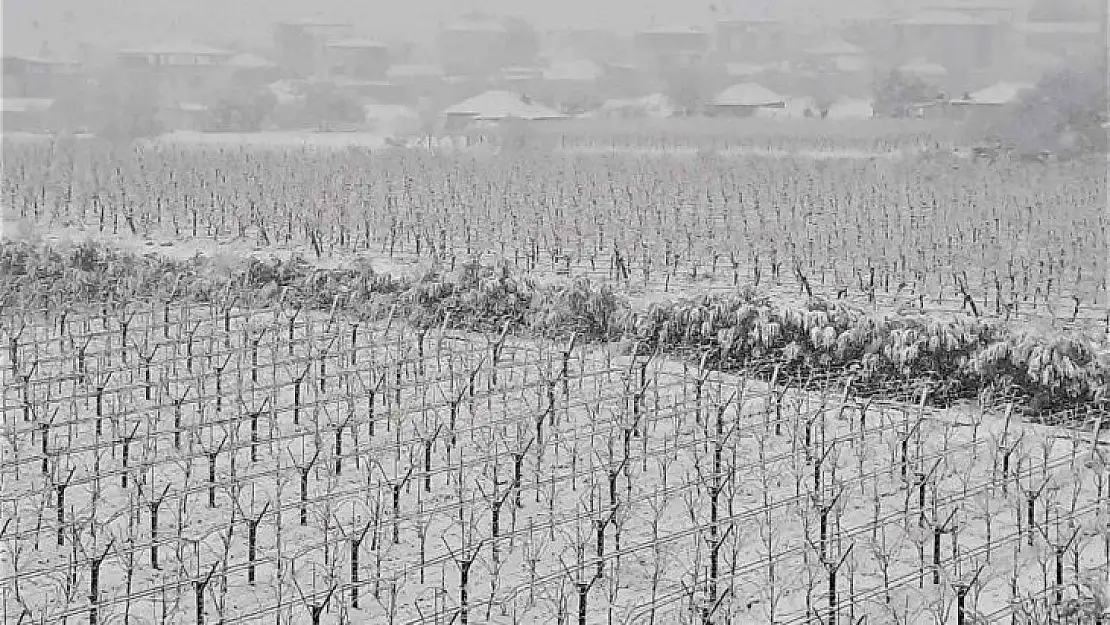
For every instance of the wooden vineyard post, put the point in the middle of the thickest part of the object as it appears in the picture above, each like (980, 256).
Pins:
(1030, 501)
(428, 441)
(126, 454)
(396, 485)
(1059, 549)
(962, 588)
(518, 467)
(356, 545)
(464, 560)
(831, 570)
(939, 529)
(177, 403)
(254, 416)
(495, 500)
(95, 563)
(339, 427)
(252, 540)
(581, 585)
(212, 455)
(60, 490)
(154, 505)
(315, 610)
(304, 471)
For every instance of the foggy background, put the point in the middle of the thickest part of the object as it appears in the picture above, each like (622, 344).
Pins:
(65, 24)
(130, 69)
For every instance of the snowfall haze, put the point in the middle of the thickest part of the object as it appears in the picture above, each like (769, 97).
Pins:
(64, 26)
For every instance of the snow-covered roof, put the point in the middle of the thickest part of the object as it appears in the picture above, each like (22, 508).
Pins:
(999, 93)
(356, 43)
(499, 104)
(581, 70)
(921, 67)
(42, 60)
(835, 47)
(791, 108)
(747, 94)
(25, 105)
(193, 49)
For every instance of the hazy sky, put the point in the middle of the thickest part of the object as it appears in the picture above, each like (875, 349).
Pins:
(116, 23)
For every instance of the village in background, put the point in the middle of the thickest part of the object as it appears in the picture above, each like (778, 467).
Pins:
(950, 61)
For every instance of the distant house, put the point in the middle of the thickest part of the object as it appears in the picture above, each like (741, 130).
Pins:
(1063, 39)
(36, 77)
(873, 31)
(598, 45)
(752, 39)
(573, 71)
(925, 70)
(474, 46)
(1066, 10)
(362, 59)
(173, 55)
(662, 48)
(623, 79)
(837, 67)
(189, 116)
(366, 91)
(833, 48)
(998, 94)
(798, 107)
(417, 81)
(26, 114)
(498, 106)
(251, 70)
(955, 38)
(301, 44)
(744, 100)
(182, 72)
(571, 84)
(987, 101)
(837, 55)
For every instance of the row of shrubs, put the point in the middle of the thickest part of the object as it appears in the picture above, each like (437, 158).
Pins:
(958, 357)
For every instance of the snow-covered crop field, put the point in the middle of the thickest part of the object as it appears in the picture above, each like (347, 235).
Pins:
(634, 378)
(188, 464)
